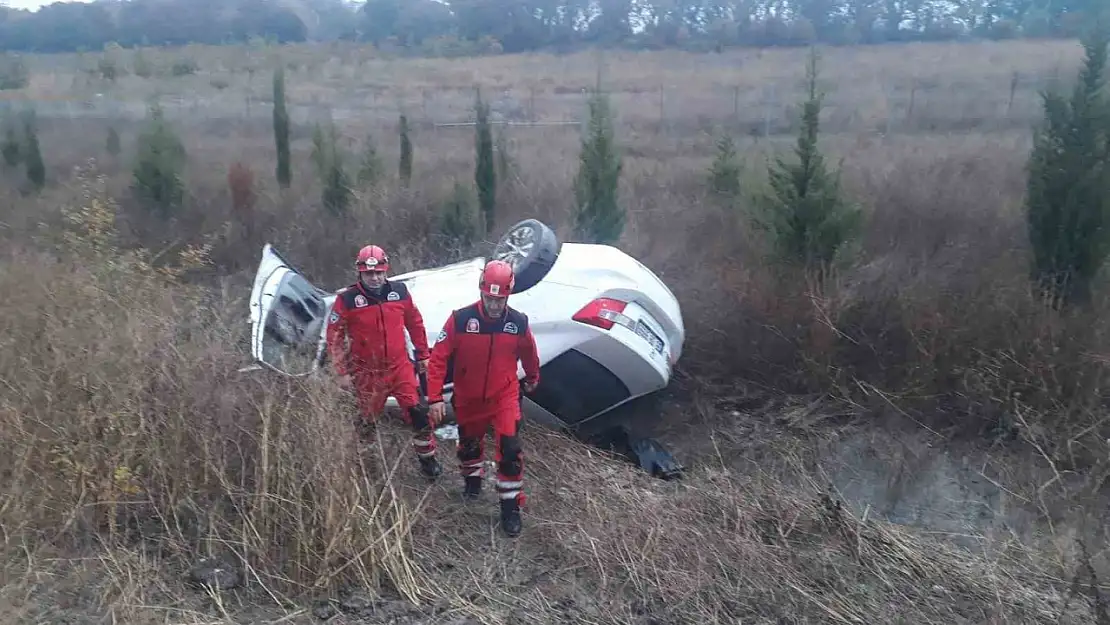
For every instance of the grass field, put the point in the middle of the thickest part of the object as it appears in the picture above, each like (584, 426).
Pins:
(131, 447)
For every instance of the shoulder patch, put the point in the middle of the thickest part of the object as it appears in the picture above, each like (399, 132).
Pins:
(442, 336)
(347, 296)
(333, 317)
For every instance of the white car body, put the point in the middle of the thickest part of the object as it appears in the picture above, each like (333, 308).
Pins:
(586, 369)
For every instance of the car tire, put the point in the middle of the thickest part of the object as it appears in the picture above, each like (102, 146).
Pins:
(532, 248)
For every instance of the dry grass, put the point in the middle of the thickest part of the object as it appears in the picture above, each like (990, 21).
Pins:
(131, 446)
(129, 438)
(912, 87)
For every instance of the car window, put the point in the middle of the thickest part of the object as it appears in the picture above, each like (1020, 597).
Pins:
(292, 326)
(574, 387)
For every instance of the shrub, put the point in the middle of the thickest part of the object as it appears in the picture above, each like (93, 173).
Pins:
(458, 223)
(240, 182)
(370, 169)
(184, 67)
(160, 160)
(328, 157)
(13, 72)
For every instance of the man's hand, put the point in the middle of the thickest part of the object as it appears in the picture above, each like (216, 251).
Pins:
(344, 381)
(436, 413)
(529, 386)
(422, 366)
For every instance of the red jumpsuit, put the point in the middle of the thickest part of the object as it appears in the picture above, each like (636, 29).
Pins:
(365, 337)
(481, 354)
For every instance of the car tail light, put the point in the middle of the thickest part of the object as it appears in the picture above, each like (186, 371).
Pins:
(604, 313)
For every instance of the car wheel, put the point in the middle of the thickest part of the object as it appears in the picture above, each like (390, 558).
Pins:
(532, 248)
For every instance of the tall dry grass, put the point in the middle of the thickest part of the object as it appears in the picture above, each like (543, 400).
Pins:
(934, 315)
(126, 432)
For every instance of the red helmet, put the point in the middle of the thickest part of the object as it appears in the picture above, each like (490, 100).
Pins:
(372, 258)
(497, 279)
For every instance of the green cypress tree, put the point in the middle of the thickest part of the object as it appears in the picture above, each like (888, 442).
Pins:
(11, 148)
(283, 171)
(336, 184)
(805, 212)
(404, 168)
(485, 176)
(599, 217)
(370, 169)
(36, 168)
(113, 142)
(724, 173)
(1068, 185)
(457, 223)
(160, 159)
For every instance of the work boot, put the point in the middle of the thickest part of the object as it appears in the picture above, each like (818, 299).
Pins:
(430, 467)
(510, 517)
(472, 488)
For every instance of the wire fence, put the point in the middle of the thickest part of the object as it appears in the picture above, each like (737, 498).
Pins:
(761, 110)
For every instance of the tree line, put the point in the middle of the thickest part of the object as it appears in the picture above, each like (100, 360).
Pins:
(432, 26)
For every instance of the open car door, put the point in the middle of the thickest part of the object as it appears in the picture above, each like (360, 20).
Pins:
(287, 315)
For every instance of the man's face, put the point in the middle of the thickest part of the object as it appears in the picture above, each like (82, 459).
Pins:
(494, 305)
(373, 280)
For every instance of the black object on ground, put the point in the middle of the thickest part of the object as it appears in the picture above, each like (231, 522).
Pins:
(646, 452)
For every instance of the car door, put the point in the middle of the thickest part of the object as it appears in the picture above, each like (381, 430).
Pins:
(287, 316)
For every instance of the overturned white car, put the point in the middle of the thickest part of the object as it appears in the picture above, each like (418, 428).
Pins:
(607, 328)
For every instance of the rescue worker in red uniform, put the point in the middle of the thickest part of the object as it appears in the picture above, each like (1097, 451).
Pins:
(481, 344)
(366, 342)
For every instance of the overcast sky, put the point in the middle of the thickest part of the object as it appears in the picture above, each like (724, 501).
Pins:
(31, 4)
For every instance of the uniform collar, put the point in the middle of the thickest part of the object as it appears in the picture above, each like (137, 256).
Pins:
(386, 288)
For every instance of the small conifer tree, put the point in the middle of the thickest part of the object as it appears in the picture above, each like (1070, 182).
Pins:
(805, 212)
(458, 223)
(599, 217)
(404, 168)
(485, 176)
(1068, 184)
(32, 154)
(326, 153)
(113, 142)
(11, 148)
(283, 171)
(724, 173)
(370, 169)
(160, 161)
